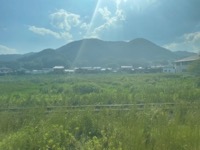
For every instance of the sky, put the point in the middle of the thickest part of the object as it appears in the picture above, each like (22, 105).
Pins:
(33, 25)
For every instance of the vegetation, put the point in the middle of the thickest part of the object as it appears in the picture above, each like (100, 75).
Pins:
(195, 67)
(141, 128)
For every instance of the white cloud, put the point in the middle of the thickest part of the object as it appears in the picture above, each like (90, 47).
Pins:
(7, 50)
(84, 26)
(103, 27)
(44, 31)
(64, 20)
(188, 42)
(192, 37)
(118, 2)
(66, 24)
(120, 14)
(105, 13)
(110, 20)
(139, 6)
(67, 36)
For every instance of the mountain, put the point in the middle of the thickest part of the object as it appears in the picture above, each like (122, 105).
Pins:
(43, 59)
(182, 54)
(9, 57)
(95, 52)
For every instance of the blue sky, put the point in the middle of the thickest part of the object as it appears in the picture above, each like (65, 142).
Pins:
(33, 25)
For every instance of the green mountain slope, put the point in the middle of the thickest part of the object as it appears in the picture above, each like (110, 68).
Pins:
(95, 52)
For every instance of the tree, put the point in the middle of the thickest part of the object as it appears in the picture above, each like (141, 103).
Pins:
(195, 67)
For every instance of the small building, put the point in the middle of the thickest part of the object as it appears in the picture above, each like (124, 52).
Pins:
(139, 70)
(83, 70)
(58, 69)
(22, 71)
(42, 71)
(169, 69)
(183, 64)
(5, 70)
(126, 69)
(154, 69)
(106, 70)
(69, 71)
(88, 70)
(47, 70)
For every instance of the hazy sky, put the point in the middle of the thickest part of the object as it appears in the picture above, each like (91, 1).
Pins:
(33, 25)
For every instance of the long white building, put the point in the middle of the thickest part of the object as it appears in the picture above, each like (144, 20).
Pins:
(183, 64)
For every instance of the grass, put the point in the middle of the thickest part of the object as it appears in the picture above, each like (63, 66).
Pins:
(152, 128)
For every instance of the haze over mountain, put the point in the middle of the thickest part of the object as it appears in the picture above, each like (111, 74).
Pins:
(95, 52)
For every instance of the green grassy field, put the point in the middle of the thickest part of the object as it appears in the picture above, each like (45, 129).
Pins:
(149, 128)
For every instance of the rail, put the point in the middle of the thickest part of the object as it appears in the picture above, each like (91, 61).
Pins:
(124, 107)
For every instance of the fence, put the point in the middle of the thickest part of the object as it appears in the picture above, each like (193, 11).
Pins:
(120, 107)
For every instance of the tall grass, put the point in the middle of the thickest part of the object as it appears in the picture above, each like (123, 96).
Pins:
(149, 128)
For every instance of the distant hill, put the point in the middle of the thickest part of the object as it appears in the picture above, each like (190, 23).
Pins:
(10, 57)
(95, 52)
(43, 59)
(182, 54)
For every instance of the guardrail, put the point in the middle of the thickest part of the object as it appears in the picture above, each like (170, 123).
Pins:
(122, 107)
